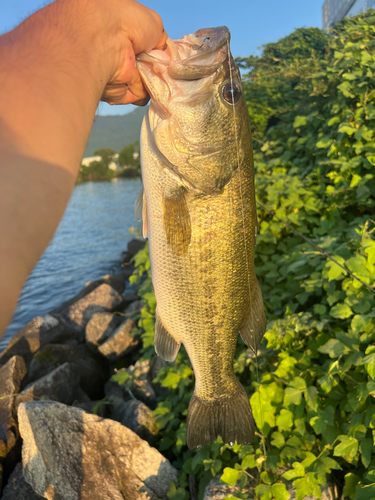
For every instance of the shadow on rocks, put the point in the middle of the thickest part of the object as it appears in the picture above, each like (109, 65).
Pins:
(72, 455)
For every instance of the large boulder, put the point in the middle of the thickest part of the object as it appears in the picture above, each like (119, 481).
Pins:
(40, 331)
(18, 489)
(134, 246)
(121, 342)
(137, 417)
(116, 281)
(62, 384)
(100, 327)
(11, 376)
(73, 455)
(104, 298)
(92, 375)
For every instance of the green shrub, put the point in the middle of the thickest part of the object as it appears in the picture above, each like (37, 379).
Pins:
(312, 387)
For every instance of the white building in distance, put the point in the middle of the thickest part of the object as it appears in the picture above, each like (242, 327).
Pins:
(114, 165)
(335, 10)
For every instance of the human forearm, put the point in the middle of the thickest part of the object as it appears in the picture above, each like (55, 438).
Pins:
(53, 70)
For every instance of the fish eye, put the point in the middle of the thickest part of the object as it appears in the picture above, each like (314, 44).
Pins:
(232, 93)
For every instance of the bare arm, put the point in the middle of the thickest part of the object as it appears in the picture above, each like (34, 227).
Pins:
(54, 69)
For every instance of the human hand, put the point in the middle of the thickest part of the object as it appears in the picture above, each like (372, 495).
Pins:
(140, 29)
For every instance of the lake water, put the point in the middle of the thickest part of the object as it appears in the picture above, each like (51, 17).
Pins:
(87, 244)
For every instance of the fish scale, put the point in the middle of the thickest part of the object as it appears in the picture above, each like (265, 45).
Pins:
(201, 220)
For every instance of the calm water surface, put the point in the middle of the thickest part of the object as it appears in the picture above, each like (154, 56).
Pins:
(87, 244)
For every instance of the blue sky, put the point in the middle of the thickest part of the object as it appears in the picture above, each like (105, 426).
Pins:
(251, 22)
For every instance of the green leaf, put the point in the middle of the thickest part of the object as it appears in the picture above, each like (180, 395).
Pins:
(311, 395)
(297, 471)
(365, 492)
(300, 121)
(264, 492)
(277, 439)
(285, 420)
(334, 348)
(346, 128)
(335, 272)
(248, 462)
(230, 476)
(175, 493)
(322, 420)
(306, 486)
(341, 311)
(366, 447)
(351, 481)
(369, 362)
(347, 448)
(320, 309)
(120, 377)
(324, 142)
(292, 396)
(279, 491)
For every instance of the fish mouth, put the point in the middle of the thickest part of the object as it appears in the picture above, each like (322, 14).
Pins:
(194, 57)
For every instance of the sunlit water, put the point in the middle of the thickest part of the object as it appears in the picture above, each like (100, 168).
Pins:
(87, 244)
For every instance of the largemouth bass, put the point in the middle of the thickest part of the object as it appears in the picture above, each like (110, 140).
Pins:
(200, 217)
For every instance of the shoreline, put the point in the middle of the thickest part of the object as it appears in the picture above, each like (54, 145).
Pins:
(60, 368)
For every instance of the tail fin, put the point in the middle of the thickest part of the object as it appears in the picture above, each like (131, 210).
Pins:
(231, 418)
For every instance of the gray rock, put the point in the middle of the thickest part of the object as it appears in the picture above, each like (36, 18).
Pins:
(40, 331)
(92, 375)
(121, 342)
(137, 417)
(126, 258)
(60, 385)
(116, 394)
(72, 455)
(101, 408)
(130, 297)
(100, 327)
(116, 281)
(127, 272)
(134, 246)
(141, 386)
(11, 376)
(133, 308)
(103, 299)
(17, 487)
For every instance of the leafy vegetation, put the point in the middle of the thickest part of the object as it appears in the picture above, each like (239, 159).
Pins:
(312, 387)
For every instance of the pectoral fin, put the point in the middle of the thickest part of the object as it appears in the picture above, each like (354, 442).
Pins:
(177, 225)
(138, 207)
(255, 323)
(140, 211)
(165, 345)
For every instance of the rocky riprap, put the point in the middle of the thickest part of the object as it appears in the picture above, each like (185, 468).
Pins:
(58, 440)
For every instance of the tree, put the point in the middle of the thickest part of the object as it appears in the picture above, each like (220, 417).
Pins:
(272, 79)
(126, 157)
(107, 156)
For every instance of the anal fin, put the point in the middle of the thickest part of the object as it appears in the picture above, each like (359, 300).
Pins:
(165, 345)
(255, 323)
(176, 218)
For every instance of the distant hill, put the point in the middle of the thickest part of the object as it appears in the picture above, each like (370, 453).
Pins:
(115, 131)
